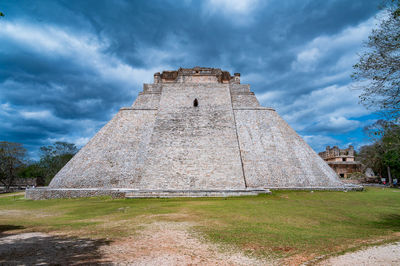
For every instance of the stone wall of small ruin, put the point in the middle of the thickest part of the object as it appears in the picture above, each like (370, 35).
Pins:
(335, 154)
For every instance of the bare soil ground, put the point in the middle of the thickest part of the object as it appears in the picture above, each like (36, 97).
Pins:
(166, 243)
(160, 243)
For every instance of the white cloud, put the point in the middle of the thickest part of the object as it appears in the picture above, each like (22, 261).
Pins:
(171, 50)
(345, 44)
(233, 6)
(238, 11)
(84, 130)
(306, 60)
(270, 96)
(5, 107)
(85, 50)
(78, 141)
(37, 115)
(337, 124)
(330, 109)
(319, 142)
(252, 78)
(81, 51)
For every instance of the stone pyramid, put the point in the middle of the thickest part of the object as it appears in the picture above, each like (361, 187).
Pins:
(193, 132)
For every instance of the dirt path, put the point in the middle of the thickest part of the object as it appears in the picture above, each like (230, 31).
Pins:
(379, 255)
(166, 243)
(160, 243)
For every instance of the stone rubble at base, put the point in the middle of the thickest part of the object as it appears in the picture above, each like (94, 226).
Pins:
(192, 130)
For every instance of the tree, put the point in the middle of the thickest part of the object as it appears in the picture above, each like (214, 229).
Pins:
(372, 156)
(378, 69)
(11, 159)
(33, 170)
(383, 156)
(1, 14)
(54, 157)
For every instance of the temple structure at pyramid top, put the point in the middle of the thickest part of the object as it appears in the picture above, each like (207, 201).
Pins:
(196, 75)
(193, 132)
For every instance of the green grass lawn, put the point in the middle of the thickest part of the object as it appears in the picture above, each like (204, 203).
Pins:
(282, 224)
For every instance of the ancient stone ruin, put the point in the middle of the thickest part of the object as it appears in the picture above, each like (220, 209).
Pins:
(193, 132)
(341, 160)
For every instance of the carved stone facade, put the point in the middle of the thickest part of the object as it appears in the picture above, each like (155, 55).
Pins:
(341, 160)
(193, 132)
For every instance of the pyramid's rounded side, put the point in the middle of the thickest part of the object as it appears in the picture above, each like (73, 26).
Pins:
(274, 156)
(113, 158)
(93, 171)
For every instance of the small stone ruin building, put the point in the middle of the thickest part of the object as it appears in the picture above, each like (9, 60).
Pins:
(193, 132)
(341, 160)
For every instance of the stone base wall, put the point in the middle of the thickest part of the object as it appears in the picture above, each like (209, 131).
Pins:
(345, 187)
(49, 193)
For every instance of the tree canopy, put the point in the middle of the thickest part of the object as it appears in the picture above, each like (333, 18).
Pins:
(385, 150)
(54, 157)
(378, 69)
(12, 157)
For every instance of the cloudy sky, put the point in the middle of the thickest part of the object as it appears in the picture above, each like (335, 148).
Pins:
(66, 66)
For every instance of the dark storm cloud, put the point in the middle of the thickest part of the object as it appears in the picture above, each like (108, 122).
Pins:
(67, 66)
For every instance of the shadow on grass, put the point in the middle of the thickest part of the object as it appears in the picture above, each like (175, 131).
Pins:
(39, 248)
(389, 221)
(9, 227)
